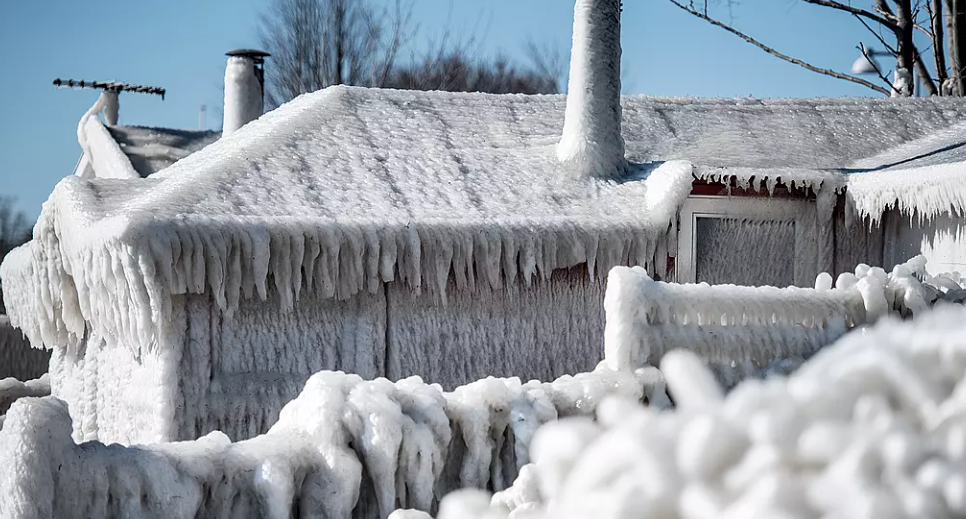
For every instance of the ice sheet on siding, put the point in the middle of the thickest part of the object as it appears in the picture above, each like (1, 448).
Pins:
(540, 332)
(17, 358)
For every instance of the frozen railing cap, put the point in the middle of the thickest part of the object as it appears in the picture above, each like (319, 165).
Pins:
(592, 144)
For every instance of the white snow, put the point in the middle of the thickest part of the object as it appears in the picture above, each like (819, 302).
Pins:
(345, 448)
(592, 144)
(870, 427)
(243, 94)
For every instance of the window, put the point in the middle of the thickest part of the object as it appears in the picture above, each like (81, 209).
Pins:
(746, 241)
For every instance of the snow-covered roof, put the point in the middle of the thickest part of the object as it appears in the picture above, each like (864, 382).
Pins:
(153, 149)
(349, 187)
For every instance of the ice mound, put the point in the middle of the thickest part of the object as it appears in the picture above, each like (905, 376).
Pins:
(12, 389)
(873, 426)
(344, 448)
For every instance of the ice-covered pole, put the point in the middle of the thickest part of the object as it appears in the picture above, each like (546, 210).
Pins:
(592, 144)
(243, 92)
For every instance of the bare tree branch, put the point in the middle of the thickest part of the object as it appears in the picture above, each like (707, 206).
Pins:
(779, 55)
(877, 36)
(877, 18)
(876, 67)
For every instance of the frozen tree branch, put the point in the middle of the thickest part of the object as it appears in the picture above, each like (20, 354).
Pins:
(779, 55)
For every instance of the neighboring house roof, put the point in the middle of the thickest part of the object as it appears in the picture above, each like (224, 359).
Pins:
(349, 187)
(153, 149)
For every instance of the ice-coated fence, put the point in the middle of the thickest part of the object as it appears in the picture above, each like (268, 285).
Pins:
(344, 448)
(724, 324)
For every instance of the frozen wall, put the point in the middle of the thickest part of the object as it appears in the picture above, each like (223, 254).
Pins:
(743, 252)
(17, 358)
(942, 240)
(344, 448)
(545, 330)
(236, 373)
(115, 395)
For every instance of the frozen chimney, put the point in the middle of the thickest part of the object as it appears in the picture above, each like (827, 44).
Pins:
(244, 88)
(592, 144)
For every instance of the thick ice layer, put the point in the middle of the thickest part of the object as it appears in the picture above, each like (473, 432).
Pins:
(12, 389)
(117, 269)
(870, 427)
(742, 329)
(592, 144)
(723, 323)
(102, 156)
(344, 448)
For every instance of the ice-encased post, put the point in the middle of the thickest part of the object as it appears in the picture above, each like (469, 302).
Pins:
(592, 144)
(243, 93)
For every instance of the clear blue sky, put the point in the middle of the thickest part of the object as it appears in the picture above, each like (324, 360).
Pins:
(180, 45)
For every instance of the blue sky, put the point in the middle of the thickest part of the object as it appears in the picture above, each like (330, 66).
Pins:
(180, 45)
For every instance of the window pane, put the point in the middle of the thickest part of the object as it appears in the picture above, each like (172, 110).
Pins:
(745, 252)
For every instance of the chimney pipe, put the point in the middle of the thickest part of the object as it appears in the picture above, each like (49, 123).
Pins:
(244, 88)
(592, 144)
(111, 107)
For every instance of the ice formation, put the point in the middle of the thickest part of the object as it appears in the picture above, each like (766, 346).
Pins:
(102, 156)
(592, 143)
(872, 426)
(344, 448)
(177, 232)
(742, 331)
(243, 94)
(725, 324)
(12, 389)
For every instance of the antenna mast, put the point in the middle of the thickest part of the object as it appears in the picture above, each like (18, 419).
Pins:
(109, 86)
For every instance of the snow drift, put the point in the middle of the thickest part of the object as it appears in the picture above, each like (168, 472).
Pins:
(344, 448)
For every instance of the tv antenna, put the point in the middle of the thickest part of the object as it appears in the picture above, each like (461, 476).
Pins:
(109, 86)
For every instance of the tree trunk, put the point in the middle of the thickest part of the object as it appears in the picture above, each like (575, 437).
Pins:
(905, 61)
(955, 16)
(938, 41)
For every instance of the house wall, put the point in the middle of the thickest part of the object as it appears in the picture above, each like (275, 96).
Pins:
(551, 328)
(17, 358)
(234, 374)
(942, 241)
(113, 394)
(237, 373)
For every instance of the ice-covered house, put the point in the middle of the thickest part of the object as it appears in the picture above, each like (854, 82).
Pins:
(448, 235)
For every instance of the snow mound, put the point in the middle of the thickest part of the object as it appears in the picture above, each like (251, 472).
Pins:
(344, 448)
(872, 426)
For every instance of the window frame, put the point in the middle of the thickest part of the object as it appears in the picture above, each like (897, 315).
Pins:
(796, 210)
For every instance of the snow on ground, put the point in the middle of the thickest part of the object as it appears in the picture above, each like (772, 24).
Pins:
(872, 427)
(344, 448)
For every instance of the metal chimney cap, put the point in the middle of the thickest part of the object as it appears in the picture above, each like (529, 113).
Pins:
(256, 55)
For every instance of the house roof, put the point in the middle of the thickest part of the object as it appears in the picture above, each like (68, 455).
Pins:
(153, 149)
(344, 188)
